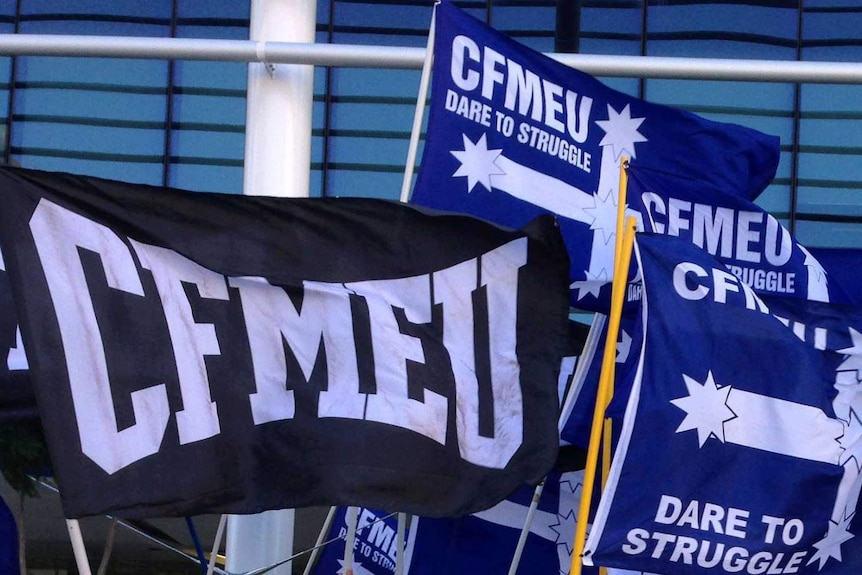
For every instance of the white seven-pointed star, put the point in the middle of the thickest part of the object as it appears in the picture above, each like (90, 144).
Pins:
(592, 285)
(814, 265)
(477, 163)
(621, 132)
(854, 355)
(604, 214)
(830, 546)
(705, 408)
(851, 441)
(565, 530)
(358, 569)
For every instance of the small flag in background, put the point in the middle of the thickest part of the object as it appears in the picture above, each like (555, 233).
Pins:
(734, 454)
(375, 547)
(513, 133)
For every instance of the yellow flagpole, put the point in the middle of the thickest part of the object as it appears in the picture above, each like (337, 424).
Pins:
(622, 258)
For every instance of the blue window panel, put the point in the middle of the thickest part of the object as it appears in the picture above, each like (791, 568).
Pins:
(315, 183)
(114, 169)
(829, 97)
(518, 20)
(830, 201)
(207, 144)
(389, 15)
(90, 104)
(387, 83)
(414, 38)
(720, 93)
(213, 9)
(829, 234)
(832, 53)
(148, 9)
(829, 166)
(220, 76)
(840, 26)
(610, 46)
(832, 132)
(372, 117)
(96, 28)
(612, 22)
(102, 71)
(238, 31)
(75, 137)
(365, 184)
(714, 19)
(690, 48)
(206, 178)
(371, 151)
(224, 111)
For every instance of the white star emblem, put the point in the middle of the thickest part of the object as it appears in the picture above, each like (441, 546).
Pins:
(705, 408)
(814, 265)
(621, 132)
(604, 214)
(592, 285)
(565, 530)
(358, 569)
(854, 354)
(830, 546)
(477, 163)
(851, 441)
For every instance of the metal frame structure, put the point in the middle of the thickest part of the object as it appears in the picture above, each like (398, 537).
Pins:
(362, 56)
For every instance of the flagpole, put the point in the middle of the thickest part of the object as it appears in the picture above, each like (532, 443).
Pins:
(419, 113)
(350, 539)
(78, 546)
(222, 522)
(605, 391)
(318, 544)
(522, 540)
(399, 551)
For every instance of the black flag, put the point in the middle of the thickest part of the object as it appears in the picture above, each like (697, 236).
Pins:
(211, 353)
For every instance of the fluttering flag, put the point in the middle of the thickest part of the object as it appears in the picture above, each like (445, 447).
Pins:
(8, 542)
(299, 351)
(748, 239)
(736, 448)
(485, 542)
(513, 134)
(375, 547)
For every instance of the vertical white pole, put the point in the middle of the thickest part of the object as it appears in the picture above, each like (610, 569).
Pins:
(78, 549)
(277, 163)
(351, 517)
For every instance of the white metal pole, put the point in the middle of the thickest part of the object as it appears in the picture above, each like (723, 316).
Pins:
(277, 163)
(324, 529)
(352, 516)
(399, 549)
(419, 113)
(78, 546)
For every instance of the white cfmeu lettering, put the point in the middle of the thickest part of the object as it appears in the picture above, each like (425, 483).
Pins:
(693, 282)
(524, 91)
(313, 332)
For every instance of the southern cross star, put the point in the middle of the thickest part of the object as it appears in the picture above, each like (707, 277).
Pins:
(621, 132)
(604, 214)
(477, 163)
(592, 285)
(830, 546)
(705, 408)
(854, 355)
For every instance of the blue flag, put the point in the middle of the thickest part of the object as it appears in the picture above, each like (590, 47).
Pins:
(8, 542)
(845, 266)
(752, 242)
(578, 415)
(512, 133)
(484, 543)
(733, 456)
(374, 550)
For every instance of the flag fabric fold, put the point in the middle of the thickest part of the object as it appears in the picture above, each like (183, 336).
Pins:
(734, 453)
(210, 353)
(513, 133)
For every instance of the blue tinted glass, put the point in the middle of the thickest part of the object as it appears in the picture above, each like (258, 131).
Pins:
(207, 178)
